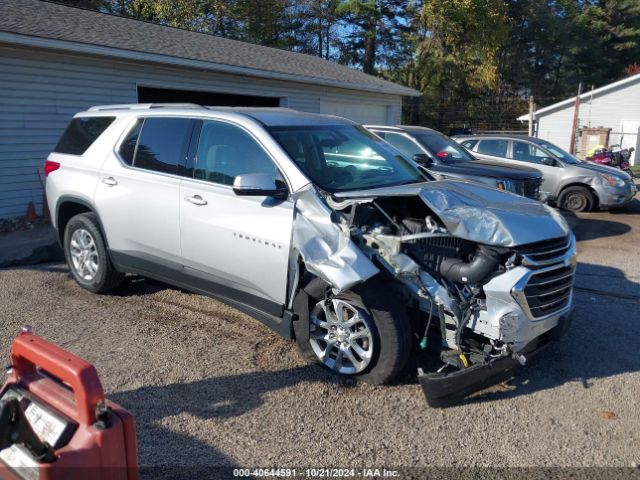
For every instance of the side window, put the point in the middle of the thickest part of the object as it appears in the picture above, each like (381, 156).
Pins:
(128, 147)
(469, 144)
(163, 144)
(226, 151)
(495, 148)
(402, 143)
(527, 152)
(81, 133)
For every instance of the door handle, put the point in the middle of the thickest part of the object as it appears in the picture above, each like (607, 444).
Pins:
(196, 200)
(110, 181)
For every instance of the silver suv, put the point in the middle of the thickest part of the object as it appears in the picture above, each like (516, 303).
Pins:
(319, 229)
(569, 183)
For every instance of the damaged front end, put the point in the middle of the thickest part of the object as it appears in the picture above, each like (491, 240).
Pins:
(487, 276)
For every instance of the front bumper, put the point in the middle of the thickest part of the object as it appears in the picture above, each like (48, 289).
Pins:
(615, 196)
(447, 389)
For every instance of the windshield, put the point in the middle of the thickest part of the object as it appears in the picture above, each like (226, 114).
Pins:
(339, 158)
(560, 153)
(447, 150)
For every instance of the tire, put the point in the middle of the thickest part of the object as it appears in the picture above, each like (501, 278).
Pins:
(87, 257)
(388, 346)
(576, 199)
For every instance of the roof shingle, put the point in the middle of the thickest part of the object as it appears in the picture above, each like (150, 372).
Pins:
(35, 18)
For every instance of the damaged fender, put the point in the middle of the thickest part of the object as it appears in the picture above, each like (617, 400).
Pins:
(325, 247)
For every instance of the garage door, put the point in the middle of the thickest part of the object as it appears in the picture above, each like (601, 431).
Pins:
(360, 113)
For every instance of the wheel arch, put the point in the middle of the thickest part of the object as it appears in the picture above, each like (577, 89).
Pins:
(67, 207)
(594, 194)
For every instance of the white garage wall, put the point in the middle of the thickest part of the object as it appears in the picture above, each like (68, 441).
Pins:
(364, 114)
(608, 109)
(41, 90)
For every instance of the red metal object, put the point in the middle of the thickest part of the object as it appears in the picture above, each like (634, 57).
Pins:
(68, 385)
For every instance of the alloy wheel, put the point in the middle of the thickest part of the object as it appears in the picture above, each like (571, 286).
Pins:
(84, 254)
(340, 336)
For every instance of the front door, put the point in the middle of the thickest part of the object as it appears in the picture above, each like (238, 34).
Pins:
(532, 156)
(240, 243)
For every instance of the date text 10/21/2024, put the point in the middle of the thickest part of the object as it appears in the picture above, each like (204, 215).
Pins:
(316, 472)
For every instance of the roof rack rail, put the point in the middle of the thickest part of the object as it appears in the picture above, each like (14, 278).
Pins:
(143, 106)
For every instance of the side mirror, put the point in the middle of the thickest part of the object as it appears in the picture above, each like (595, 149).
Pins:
(258, 185)
(423, 159)
(551, 162)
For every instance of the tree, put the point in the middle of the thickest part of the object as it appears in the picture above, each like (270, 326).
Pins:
(371, 27)
(457, 46)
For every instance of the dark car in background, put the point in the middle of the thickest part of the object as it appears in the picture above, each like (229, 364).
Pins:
(444, 158)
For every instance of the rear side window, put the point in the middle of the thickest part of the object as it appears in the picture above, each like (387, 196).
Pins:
(495, 148)
(158, 144)
(469, 144)
(128, 147)
(81, 133)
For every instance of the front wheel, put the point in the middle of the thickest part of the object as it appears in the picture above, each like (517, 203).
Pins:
(576, 199)
(363, 333)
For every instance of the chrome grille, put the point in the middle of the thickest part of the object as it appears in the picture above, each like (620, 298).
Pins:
(547, 252)
(549, 290)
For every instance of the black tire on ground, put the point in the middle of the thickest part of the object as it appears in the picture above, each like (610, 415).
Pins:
(390, 328)
(576, 199)
(106, 277)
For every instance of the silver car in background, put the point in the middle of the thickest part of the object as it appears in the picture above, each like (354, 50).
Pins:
(568, 183)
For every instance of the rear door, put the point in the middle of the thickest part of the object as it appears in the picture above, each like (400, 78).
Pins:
(138, 192)
(240, 243)
(494, 149)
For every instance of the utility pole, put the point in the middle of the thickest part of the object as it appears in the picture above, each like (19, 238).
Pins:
(574, 126)
(531, 109)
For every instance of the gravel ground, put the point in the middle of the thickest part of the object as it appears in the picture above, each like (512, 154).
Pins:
(210, 386)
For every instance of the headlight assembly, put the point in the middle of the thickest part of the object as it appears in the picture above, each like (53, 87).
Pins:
(612, 180)
(506, 185)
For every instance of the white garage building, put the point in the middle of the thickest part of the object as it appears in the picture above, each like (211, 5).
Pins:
(57, 60)
(615, 106)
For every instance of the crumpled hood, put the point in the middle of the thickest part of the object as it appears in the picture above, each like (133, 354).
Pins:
(473, 212)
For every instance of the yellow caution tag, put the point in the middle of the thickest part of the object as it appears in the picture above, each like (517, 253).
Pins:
(464, 360)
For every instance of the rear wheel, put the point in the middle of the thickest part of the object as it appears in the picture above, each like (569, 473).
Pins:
(86, 254)
(362, 333)
(576, 199)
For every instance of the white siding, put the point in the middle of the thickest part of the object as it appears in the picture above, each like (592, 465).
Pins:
(41, 90)
(608, 110)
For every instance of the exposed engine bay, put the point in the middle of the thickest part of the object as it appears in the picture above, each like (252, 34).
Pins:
(484, 305)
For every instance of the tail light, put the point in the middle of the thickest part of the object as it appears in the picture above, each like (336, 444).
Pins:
(442, 154)
(50, 166)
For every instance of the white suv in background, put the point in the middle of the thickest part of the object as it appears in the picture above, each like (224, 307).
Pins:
(319, 229)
